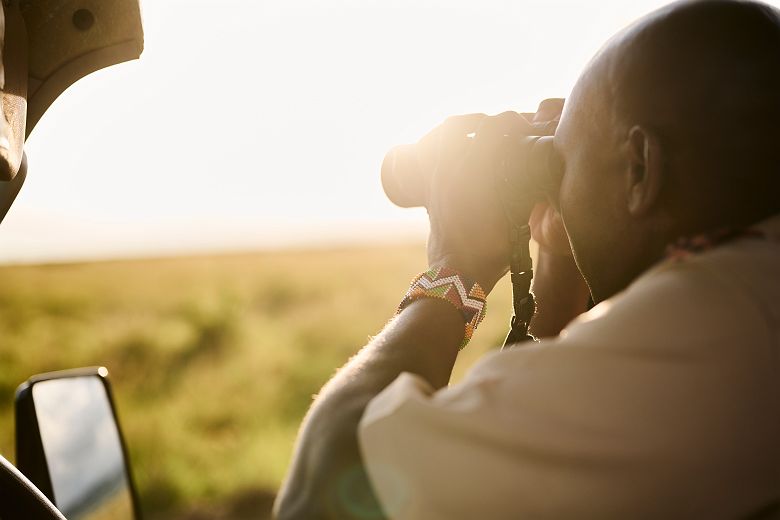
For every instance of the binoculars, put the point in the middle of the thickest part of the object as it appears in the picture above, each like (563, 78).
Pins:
(530, 171)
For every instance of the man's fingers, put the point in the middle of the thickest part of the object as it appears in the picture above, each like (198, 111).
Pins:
(505, 123)
(447, 143)
(535, 221)
(545, 121)
(465, 123)
(548, 231)
(494, 133)
(478, 136)
(455, 127)
(549, 109)
(545, 128)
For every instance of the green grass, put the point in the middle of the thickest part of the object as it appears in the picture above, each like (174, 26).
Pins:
(214, 360)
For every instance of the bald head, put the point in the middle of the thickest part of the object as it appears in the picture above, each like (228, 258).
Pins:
(673, 129)
(705, 75)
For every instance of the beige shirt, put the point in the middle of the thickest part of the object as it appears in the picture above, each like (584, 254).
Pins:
(663, 402)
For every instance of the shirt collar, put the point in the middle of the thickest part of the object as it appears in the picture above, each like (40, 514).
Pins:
(684, 247)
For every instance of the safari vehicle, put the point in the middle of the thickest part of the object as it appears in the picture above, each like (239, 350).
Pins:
(70, 456)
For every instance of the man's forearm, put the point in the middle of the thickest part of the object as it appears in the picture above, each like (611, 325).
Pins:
(327, 479)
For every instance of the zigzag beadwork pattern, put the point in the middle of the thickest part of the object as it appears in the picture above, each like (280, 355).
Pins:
(447, 284)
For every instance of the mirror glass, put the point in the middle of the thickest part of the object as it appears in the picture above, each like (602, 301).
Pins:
(83, 449)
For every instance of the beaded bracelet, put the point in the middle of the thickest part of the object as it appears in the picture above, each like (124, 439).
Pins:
(447, 284)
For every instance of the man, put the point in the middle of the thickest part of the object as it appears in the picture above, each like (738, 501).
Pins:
(661, 402)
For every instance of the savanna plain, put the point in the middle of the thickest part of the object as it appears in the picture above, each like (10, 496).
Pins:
(213, 359)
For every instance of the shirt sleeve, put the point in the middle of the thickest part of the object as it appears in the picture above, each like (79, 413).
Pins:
(649, 406)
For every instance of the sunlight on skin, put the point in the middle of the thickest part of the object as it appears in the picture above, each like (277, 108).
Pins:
(259, 124)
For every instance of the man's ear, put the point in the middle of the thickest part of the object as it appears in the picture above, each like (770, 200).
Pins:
(645, 173)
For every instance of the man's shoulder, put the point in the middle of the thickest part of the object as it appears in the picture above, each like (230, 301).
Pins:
(719, 298)
(720, 305)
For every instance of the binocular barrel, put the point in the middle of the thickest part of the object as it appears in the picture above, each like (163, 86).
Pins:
(530, 168)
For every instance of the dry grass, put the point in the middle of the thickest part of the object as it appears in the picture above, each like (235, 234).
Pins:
(214, 359)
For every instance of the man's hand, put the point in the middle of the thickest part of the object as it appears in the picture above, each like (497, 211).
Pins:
(548, 231)
(469, 229)
(560, 291)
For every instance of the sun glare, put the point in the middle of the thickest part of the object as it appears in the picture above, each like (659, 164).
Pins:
(264, 124)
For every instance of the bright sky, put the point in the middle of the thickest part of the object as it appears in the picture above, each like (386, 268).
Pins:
(263, 123)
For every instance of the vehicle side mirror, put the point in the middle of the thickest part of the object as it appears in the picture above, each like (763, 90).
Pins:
(69, 444)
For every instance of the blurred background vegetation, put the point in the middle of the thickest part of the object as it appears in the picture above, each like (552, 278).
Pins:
(214, 360)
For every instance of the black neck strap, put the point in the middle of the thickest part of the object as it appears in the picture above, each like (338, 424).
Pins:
(521, 272)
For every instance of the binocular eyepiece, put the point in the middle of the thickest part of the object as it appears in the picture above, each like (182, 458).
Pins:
(531, 171)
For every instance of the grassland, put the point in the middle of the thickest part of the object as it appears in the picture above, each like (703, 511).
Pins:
(213, 359)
